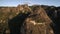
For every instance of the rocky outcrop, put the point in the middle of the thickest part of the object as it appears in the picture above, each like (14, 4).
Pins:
(41, 20)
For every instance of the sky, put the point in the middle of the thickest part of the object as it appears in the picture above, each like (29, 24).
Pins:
(29, 2)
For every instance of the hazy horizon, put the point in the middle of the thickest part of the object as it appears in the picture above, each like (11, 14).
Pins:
(29, 2)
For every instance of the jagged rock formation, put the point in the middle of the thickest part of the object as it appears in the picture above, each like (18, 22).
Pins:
(41, 18)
